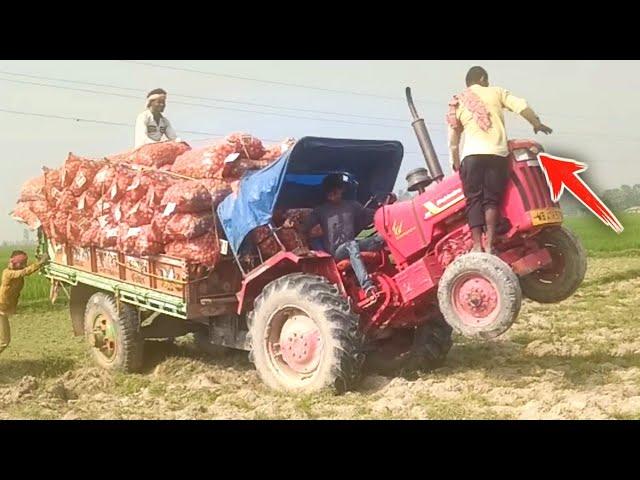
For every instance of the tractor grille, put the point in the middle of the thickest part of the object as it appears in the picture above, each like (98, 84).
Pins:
(532, 187)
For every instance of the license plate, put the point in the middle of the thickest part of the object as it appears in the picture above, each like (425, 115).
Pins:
(543, 216)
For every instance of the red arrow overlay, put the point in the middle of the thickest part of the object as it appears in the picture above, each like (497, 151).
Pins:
(562, 173)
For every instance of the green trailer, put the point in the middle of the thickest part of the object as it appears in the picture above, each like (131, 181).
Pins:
(118, 301)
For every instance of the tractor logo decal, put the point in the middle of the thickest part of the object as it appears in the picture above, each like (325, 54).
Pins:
(443, 203)
(397, 230)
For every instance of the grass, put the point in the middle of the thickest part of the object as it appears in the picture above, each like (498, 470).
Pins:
(600, 240)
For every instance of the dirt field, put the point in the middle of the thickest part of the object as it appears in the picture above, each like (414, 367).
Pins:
(579, 359)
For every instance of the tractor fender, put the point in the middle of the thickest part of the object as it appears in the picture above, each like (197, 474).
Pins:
(284, 263)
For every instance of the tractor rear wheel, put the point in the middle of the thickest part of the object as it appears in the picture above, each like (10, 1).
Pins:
(565, 274)
(113, 336)
(479, 295)
(304, 337)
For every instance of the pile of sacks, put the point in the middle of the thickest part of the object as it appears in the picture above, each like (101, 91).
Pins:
(159, 198)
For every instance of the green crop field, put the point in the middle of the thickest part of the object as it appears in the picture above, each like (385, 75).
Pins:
(576, 359)
(600, 240)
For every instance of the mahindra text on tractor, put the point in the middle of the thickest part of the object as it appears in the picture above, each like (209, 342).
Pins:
(302, 315)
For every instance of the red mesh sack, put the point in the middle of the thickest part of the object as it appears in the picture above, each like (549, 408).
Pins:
(135, 214)
(122, 180)
(160, 221)
(109, 232)
(148, 241)
(23, 213)
(103, 206)
(159, 185)
(218, 196)
(52, 185)
(265, 242)
(159, 154)
(236, 170)
(124, 157)
(246, 145)
(58, 227)
(103, 179)
(206, 162)
(274, 152)
(86, 202)
(138, 187)
(185, 226)
(186, 197)
(72, 165)
(84, 176)
(66, 202)
(32, 189)
(127, 237)
(39, 207)
(203, 249)
(91, 235)
(76, 226)
(291, 239)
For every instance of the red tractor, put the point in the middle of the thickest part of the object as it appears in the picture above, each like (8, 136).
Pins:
(310, 325)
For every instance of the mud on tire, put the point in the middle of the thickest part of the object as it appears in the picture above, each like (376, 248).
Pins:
(479, 295)
(114, 339)
(312, 301)
(565, 275)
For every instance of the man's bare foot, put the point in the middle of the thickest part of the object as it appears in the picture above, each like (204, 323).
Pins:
(477, 248)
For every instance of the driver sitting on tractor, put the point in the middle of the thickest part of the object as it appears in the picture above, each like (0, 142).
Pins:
(341, 220)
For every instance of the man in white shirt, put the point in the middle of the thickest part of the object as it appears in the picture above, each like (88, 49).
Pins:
(151, 125)
(484, 170)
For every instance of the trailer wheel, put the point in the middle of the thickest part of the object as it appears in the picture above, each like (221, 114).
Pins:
(304, 337)
(423, 348)
(563, 277)
(479, 295)
(114, 338)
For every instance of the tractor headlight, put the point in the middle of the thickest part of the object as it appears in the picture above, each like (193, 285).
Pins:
(524, 154)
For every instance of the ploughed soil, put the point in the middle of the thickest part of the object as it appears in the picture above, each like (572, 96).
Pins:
(579, 359)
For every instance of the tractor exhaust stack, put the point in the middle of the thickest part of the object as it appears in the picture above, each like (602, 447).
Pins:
(429, 153)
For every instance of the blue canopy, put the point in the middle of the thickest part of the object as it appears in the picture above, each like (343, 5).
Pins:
(294, 180)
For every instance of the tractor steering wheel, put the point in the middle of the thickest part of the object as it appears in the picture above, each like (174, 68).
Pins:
(382, 199)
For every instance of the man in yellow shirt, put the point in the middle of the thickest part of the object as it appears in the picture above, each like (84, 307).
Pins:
(477, 113)
(12, 284)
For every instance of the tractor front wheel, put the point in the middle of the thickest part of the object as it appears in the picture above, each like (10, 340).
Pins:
(304, 337)
(479, 295)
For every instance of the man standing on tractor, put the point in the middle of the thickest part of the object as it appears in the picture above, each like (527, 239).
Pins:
(12, 283)
(484, 170)
(341, 221)
(151, 125)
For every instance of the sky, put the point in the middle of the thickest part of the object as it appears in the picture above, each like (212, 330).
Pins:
(593, 107)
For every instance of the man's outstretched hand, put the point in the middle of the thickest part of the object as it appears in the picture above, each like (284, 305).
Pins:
(542, 128)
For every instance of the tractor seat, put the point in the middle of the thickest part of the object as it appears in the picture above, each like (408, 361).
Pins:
(369, 259)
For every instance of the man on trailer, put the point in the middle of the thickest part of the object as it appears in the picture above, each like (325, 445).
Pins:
(484, 169)
(12, 284)
(151, 125)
